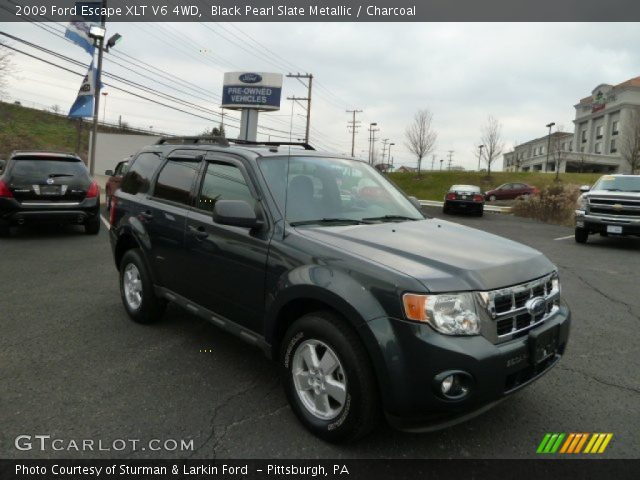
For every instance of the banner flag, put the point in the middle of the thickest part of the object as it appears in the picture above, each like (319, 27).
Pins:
(83, 106)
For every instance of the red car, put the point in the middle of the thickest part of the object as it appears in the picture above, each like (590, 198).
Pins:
(510, 191)
(115, 179)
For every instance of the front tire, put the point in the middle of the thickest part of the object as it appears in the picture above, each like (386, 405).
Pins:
(328, 378)
(492, 198)
(136, 290)
(92, 227)
(581, 235)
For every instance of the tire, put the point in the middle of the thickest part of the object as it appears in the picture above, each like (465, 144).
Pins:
(148, 308)
(445, 209)
(581, 235)
(492, 198)
(480, 212)
(327, 334)
(92, 227)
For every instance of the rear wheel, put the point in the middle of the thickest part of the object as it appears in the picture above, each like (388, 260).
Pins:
(328, 378)
(492, 198)
(136, 290)
(445, 209)
(581, 235)
(92, 227)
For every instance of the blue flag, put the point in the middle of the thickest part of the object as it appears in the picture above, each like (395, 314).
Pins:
(83, 106)
(78, 33)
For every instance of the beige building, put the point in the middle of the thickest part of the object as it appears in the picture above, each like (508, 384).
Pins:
(595, 144)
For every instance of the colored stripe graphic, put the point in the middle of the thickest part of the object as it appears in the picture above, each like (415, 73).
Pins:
(573, 443)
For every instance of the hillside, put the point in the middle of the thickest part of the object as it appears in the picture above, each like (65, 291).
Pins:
(23, 128)
(434, 185)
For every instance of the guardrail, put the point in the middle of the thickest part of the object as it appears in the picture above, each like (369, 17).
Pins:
(487, 208)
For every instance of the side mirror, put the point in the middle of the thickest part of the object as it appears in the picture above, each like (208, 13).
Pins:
(236, 213)
(585, 188)
(416, 203)
(109, 173)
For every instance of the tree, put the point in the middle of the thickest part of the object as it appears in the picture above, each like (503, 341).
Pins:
(630, 140)
(492, 141)
(5, 67)
(420, 136)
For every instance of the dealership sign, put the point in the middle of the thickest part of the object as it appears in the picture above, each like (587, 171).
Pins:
(255, 90)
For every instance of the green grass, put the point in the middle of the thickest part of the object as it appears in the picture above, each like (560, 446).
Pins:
(23, 128)
(434, 185)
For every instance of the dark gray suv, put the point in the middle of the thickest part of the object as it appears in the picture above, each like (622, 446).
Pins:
(367, 306)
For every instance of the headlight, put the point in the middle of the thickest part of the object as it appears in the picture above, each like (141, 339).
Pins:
(451, 314)
(582, 202)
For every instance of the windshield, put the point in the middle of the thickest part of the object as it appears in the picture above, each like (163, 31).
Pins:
(332, 190)
(622, 184)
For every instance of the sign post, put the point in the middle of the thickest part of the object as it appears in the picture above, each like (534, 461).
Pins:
(251, 93)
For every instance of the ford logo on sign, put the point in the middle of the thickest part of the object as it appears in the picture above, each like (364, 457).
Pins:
(250, 78)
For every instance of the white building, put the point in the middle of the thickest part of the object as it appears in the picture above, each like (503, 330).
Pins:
(595, 144)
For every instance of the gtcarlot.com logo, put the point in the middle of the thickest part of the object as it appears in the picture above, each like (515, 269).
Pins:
(574, 443)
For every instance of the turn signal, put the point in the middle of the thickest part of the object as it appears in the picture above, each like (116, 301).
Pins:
(94, 190)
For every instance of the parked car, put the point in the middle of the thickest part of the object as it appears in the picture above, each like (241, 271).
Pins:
(464, 198)
(2, 165)
(48, 187)
(611, 207)
(115, 179)
(365, 305)
(510, 191)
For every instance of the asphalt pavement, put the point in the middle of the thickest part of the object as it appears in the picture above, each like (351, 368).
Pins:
(73, 366)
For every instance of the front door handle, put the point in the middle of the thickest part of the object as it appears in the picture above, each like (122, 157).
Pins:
(147, 215)
(198, 232)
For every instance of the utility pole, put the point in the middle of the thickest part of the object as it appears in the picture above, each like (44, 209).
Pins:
(384, 148)
(450, 159)
(372, 140)
(309, 84)
(546, 163)
(96, 96)
(353, 124)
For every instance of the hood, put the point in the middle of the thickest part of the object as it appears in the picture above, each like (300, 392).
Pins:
(443, 256)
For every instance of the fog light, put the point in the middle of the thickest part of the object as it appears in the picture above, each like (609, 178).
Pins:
(453, 385)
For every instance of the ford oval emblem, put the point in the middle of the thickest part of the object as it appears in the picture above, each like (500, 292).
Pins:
(250, 78)
(536, 306)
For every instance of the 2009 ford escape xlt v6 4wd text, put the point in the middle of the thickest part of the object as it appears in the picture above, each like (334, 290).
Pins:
(367, 305)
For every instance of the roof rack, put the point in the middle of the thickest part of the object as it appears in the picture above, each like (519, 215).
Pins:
(224, 142)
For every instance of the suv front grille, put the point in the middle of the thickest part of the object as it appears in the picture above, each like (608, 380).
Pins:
(513, 310)
(614, 206)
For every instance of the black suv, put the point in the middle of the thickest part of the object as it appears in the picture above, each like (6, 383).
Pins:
(367, 305)
(39, 187)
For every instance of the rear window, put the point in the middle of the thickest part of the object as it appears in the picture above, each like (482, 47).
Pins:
(39, 168)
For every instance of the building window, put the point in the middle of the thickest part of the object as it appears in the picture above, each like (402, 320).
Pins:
(582, 149)
(614, 128)
(564, 146)
(598, 147)
(613, 148)
(584, 136)
(599, 131)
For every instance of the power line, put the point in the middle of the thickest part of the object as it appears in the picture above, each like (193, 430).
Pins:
(353, 124)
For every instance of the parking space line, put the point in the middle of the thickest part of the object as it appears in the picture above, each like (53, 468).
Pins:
(564, 238)
(106, 223)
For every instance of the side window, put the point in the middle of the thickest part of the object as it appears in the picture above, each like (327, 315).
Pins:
(175, 181)
(138, 179)
(223, 181)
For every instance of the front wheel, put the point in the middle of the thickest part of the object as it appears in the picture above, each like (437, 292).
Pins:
(328, 378)
(581, 235)
(492, 198)
(136, 290)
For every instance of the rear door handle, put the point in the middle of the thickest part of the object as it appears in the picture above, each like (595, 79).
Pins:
(198, 232)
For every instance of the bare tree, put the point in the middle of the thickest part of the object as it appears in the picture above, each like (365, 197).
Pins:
(492, 141)
(5, 67)
(630, 140)
(557, 149)
(420, 138)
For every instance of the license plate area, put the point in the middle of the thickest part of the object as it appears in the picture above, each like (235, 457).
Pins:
(614, 229)
(49, 190)
(543, 344)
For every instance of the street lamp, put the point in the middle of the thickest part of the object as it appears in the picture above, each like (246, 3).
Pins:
(441, 160)
(389, 153)
(480, 147)
(104, 108)
(546, 163)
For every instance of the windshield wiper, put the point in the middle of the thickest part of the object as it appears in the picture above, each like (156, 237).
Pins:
(55, 175)
(391, 218)
(328, 221)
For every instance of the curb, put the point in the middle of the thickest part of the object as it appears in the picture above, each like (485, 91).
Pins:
(487, 208)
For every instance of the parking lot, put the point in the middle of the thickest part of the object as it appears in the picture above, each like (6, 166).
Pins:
(73, 366)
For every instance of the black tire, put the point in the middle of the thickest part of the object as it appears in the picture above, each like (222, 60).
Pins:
(480, 212)
(445, 209)
(151, 307)
(581, 235)
(92, 227)
(360, 411)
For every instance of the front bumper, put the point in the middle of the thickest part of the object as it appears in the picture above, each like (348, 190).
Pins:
(410, 355)
(599, 223)
(13, 212)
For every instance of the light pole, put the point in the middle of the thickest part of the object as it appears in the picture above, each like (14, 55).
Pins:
(546, 163)
(389, 153)
(372, 136)
(441, 160)
(480, 147)
(104, 108)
